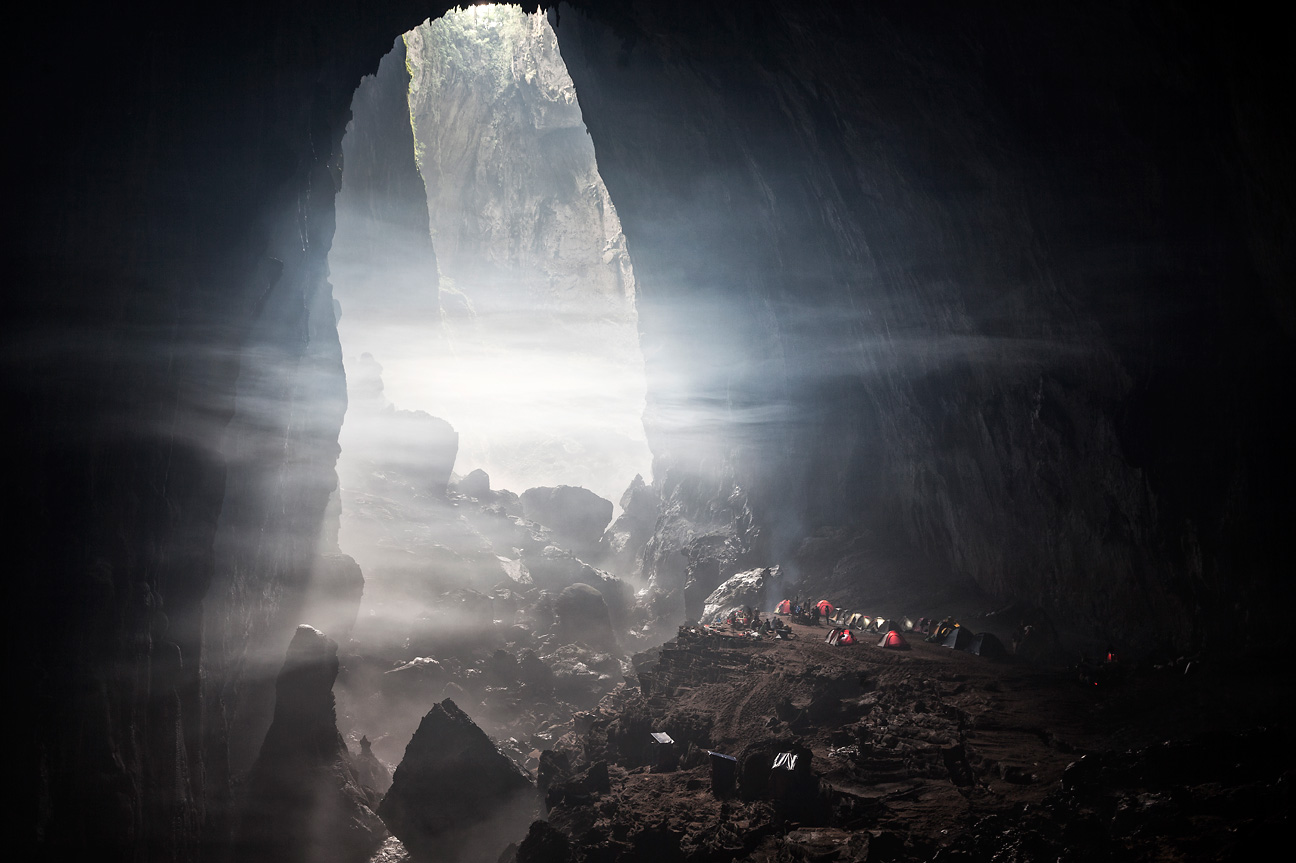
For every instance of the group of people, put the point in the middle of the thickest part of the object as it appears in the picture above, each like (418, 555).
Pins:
(749, 618)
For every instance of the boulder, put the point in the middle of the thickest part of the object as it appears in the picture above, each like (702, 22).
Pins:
(544, 844)
(553, 568)
(582, 616)
(455, 796)
(577, 516)
(304, 799)
(475, 485)
(746, 588)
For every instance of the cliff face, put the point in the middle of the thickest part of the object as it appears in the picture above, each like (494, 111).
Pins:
(980, 282)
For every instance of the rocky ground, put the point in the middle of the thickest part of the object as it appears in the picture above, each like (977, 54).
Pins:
(930, 754)
(922, 754)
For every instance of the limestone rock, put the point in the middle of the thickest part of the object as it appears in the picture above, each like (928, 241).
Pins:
(476, 484)
(583, 616)
(627, 536)
(746, 588)
(577, 516)
(370, 770)
(455, 795)
(305, 801)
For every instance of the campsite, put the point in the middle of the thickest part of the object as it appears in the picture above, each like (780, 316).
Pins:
(728, 745)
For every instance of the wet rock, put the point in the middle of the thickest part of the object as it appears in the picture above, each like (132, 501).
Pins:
(304, 800)
(577, 516)
(455, 795)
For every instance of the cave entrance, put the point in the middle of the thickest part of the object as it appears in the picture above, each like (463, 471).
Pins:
(484, 291)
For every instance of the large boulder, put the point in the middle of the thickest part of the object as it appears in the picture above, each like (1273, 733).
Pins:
(304, 800)
(582, 616)
(745, 588)
(455, 796)
(577, 516)
(475, 485)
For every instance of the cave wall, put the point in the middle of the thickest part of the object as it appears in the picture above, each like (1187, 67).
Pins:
(172, 365)
(1002, 284)
(1048, 250)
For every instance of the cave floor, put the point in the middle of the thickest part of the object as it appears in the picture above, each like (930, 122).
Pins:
(933, 753)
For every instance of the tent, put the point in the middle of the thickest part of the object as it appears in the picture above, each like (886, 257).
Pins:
(894, 640)
(825, 608)
(784, 607)
(858, 619)
(841, 636)
(957, 638)
(986, 644)
(937, 632)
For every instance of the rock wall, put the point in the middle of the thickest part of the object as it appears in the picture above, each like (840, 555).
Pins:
(1000, 286)
(171, 357)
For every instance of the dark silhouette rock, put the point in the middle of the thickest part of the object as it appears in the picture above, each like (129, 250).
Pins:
(370, 770)
(583, 616)
(455, 795)
(577, 516)
(544, 844)
(553, 568)
(304, 800)
(476, 484)
(626, 538)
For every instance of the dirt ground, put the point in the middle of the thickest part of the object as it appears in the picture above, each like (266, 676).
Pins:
(933, 753)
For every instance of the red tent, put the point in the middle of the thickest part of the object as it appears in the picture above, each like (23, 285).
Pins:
(840, 636)
(894, 640)
(785, 607)
(825, 608)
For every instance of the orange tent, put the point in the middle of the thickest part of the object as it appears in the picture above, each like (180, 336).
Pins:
(785, 607)
(825, 608)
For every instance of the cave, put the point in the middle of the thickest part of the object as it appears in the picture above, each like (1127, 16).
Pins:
(990, 306)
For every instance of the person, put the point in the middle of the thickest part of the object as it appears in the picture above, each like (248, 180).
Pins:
(814, 615)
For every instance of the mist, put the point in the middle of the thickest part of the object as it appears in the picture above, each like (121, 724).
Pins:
(506, 307)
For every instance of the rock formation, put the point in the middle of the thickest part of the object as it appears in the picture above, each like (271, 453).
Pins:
(583, 616)
(626, 537)
(750, 588)
(304, 799)
(454, 795)
(577, 516)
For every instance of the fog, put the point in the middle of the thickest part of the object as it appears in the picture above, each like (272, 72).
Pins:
(511, 314)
